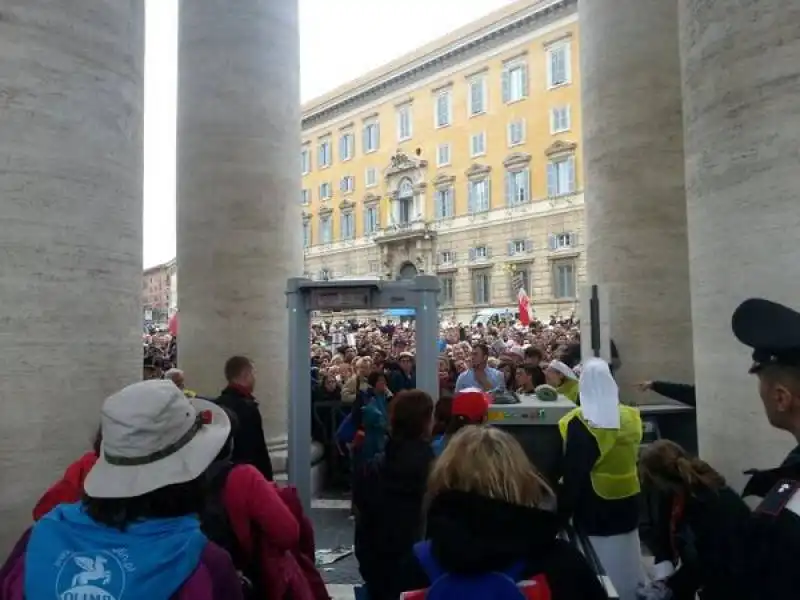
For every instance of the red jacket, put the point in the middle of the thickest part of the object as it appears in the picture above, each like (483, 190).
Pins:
(68, 489)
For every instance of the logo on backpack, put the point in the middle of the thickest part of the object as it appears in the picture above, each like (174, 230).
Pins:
(92, 575)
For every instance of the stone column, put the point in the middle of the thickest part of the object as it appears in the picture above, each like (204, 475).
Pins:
(635, 197)
(71, 96)
(741, 65)
(239, 219)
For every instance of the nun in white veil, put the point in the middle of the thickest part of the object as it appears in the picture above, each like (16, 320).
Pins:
(600, 487)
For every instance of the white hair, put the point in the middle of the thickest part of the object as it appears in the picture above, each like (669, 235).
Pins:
(172, 373)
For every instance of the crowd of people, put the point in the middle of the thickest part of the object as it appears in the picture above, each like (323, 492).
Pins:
(176, 499)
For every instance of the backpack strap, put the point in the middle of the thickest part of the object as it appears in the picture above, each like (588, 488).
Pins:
(423, 554)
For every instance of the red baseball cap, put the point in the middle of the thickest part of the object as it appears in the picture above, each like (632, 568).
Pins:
(472, 403)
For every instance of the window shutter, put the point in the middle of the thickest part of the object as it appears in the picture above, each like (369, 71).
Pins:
(528, 245)
(377, 135)
(487, 188)
(488, 252)
(450, 203)
(571, 174)
(506, 86)
(365, 136)
(567, 62)
(511, 248)
(510, 189)
(573, 239)
(553, 242)
(552, 180)
(524, 71)
(342, 147)
(472, 255)
(453, 256)
(470, 197)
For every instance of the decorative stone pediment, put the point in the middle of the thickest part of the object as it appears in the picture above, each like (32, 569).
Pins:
(420, 187)
(560, 147)
(370, 198)
(402, 162)
(346, 204)
(324, 212)
(517, 161)
(443, 181)
(478, 171)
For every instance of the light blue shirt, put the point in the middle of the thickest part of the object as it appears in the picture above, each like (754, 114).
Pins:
(467, 380)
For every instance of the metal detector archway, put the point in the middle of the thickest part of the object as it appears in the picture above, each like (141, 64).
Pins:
(305, 296)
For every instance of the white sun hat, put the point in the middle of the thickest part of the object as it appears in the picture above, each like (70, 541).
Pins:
(560, 367)
(153, 437)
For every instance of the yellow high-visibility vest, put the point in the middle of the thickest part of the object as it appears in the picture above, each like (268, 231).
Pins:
(614, 475)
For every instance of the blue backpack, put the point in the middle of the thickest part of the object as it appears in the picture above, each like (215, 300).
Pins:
(506, 585)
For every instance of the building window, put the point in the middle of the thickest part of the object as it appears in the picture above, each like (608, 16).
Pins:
(477, 144)
(447, 290)
(564, 279)
(405, 127)
(372, 136)
(479, 200)
(479, 253)
(515, 82)
(561, 176)
(477, 96)
(520, 280)
(516, 133)
(348, 223)
(371, 222)
(559, 70)
(347, 146)
(560, 119)
(324, 191)
(444, 108)
(563, 241)
(305, 197)
(443, 155)
(447, 257)
(325, 156)
(374, 266)
(481, 286)
(517, 247)
(326, 229)
(518, 187)
(445, 205)
(305, 160)
(306, 233)
(371, 177)
(347, 184)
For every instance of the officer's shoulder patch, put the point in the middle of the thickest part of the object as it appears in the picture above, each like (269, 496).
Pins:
(784, 495)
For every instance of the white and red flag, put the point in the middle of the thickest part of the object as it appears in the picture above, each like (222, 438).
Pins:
(525, 311)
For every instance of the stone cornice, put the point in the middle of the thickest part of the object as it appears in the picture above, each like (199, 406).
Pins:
(560, 147)
(477, 171)
(442, 181)
(346, 204)
(403, 72)
(517, 161)
(324, 212)
(370, 198)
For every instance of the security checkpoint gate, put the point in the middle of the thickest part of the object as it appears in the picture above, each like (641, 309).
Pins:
(303, 297)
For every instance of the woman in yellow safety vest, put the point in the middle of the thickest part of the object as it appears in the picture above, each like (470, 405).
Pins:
(600, 484)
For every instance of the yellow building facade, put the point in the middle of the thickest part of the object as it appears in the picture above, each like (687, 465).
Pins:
(462, 160)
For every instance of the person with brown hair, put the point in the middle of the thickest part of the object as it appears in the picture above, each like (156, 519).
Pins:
(388, 493)
(489, 511)
(700, 527)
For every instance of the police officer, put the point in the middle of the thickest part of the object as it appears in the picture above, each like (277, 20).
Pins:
(771, 566)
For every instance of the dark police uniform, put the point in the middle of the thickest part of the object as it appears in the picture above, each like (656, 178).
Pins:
(771, 555)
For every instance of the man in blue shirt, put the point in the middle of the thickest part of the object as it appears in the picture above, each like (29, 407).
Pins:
(481, 375)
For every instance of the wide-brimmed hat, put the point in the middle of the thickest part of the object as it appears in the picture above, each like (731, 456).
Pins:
(153, 437)
(560, 367)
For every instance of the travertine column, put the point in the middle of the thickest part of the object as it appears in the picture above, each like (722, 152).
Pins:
(239, 235)
(71, 95)
(741, 64)
(635, 198)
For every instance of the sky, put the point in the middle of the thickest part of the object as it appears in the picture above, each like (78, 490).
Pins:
(339, 41)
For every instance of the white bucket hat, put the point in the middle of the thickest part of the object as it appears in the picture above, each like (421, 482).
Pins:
(153, 437)
(560, 367)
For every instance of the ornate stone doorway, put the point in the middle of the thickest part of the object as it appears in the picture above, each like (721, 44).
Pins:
(407, 271)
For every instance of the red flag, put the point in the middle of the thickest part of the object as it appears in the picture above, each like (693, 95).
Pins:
(173, 324)
(525, 313)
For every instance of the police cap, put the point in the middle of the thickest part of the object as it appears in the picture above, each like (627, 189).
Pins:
(772, 330)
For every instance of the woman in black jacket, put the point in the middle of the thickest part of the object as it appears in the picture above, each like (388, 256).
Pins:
(487, 510)
(701, 525)
(388, 493)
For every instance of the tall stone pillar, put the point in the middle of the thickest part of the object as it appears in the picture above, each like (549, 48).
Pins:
(635, 198)
(71, 97)
(238, 183)
(741, 65)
